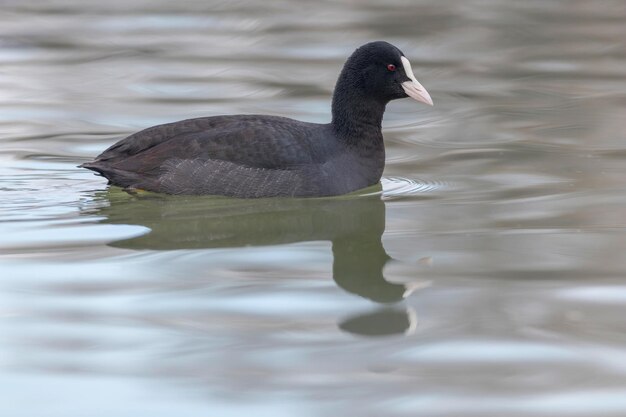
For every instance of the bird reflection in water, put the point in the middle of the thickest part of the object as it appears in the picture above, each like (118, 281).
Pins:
(354, 224)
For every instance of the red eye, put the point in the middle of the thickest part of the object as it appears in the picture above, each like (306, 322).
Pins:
(391, 67)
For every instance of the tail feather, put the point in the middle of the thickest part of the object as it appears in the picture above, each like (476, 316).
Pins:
(115, 176)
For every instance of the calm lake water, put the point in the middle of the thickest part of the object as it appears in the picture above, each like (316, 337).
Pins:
(488, 278)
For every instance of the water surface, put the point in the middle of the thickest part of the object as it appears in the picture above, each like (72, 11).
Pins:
(487, 278)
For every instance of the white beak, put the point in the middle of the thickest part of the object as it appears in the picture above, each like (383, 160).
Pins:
(413, 88)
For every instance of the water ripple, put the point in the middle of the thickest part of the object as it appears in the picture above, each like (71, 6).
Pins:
(400, 187)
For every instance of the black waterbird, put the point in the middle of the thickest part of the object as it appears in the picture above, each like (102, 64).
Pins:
(250, 156)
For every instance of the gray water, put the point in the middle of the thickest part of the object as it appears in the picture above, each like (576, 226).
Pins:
(487, 278)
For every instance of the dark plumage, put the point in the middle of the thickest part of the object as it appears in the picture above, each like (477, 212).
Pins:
(266, 156)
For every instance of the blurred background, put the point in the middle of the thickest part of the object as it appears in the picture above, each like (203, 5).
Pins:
(487, 278)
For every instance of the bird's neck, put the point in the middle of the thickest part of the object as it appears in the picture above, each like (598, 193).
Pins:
(356, 119)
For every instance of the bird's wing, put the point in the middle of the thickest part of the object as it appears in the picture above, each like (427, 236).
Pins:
(258, 142)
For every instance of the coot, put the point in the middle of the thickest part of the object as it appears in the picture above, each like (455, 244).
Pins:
(249, 156)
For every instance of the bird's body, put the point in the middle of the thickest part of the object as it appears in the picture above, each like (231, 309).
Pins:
(251, 156)
(244, 156)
